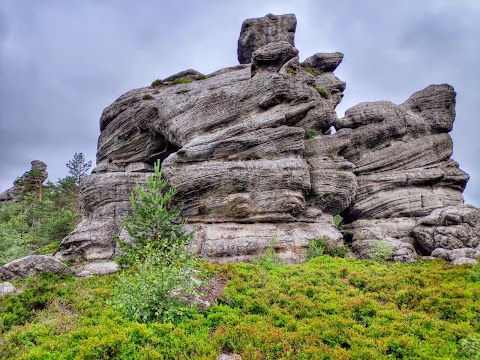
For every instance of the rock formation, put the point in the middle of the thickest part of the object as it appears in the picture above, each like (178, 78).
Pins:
(30, 180)
(250, 152)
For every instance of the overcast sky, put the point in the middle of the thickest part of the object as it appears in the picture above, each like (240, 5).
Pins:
(62, 62)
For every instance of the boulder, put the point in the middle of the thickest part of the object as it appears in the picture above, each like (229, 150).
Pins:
(272, 56)
(452, 227)
(323, 62)
(32, 265)
(95, 268)
(256, 33)
(6, 288)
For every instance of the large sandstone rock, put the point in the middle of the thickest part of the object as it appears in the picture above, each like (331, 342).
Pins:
(233, 146)
(256, 33)
(250, 151)
(453, 227)
(32, 265)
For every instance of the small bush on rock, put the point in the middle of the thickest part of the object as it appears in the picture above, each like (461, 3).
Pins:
(319, 247)
(181, 81)
(323, 91)
(312, 133)
(381, 251)
(147, 97)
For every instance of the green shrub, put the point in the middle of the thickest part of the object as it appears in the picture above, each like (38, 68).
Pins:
(337, 220)
(312, 71)
(212, 88)
(290, 70)
(201, 77)
(381, 251)
(471, 347)
(147, 97)
(157, 82)
(311, 133)
(48, 249)
(268, 257)
(181, 81)
(151, 290)
(151, 222)
(323, 91)
(319, 247)
(161, 268)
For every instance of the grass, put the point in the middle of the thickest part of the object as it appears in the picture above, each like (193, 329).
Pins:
(147, 97)
(312, 71)
(323, 91)
(201, 77)
(312, 133)
(327, 308)
(157, 82)
(181, 81)
(290, 70)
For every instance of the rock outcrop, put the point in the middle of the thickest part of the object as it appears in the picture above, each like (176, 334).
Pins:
(28, 181)
(256, 33)
(32, 265)
(249, 152)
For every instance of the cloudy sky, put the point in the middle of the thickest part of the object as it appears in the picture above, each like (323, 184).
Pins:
(62, 62)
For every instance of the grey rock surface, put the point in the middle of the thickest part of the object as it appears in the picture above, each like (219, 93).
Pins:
(7, 195)
(32, 265)
(453, 227)
(95, 268)
(258, 32)
(324, 62)
(6, 288)
(464, 261)
(250, 151)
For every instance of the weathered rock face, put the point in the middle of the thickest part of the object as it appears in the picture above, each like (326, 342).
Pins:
(402, 164)
(248, 151)
(32, 265)
(259, 32)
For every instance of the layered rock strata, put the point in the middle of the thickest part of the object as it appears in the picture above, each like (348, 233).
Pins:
(249, 152)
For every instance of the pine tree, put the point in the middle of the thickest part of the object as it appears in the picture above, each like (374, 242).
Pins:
(78, 167)
(152, 221)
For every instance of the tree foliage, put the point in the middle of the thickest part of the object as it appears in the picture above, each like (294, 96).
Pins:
(78, 167)
(153, 221)
(159, 269)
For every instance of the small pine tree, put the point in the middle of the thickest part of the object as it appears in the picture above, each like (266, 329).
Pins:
(78, 167)
(152, 221)
(159, 270)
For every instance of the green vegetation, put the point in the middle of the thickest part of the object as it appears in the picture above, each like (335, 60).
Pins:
(327, 308)
(35, 225)
(337, 220)
(147, 97)
(312, 71)
(156, 254)
(155, 83)
(312, 133)
(212, 88)
(201, 77)
(323, 91)
(290, 70)
(319, 247)
(181, 81)
(381, 251)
